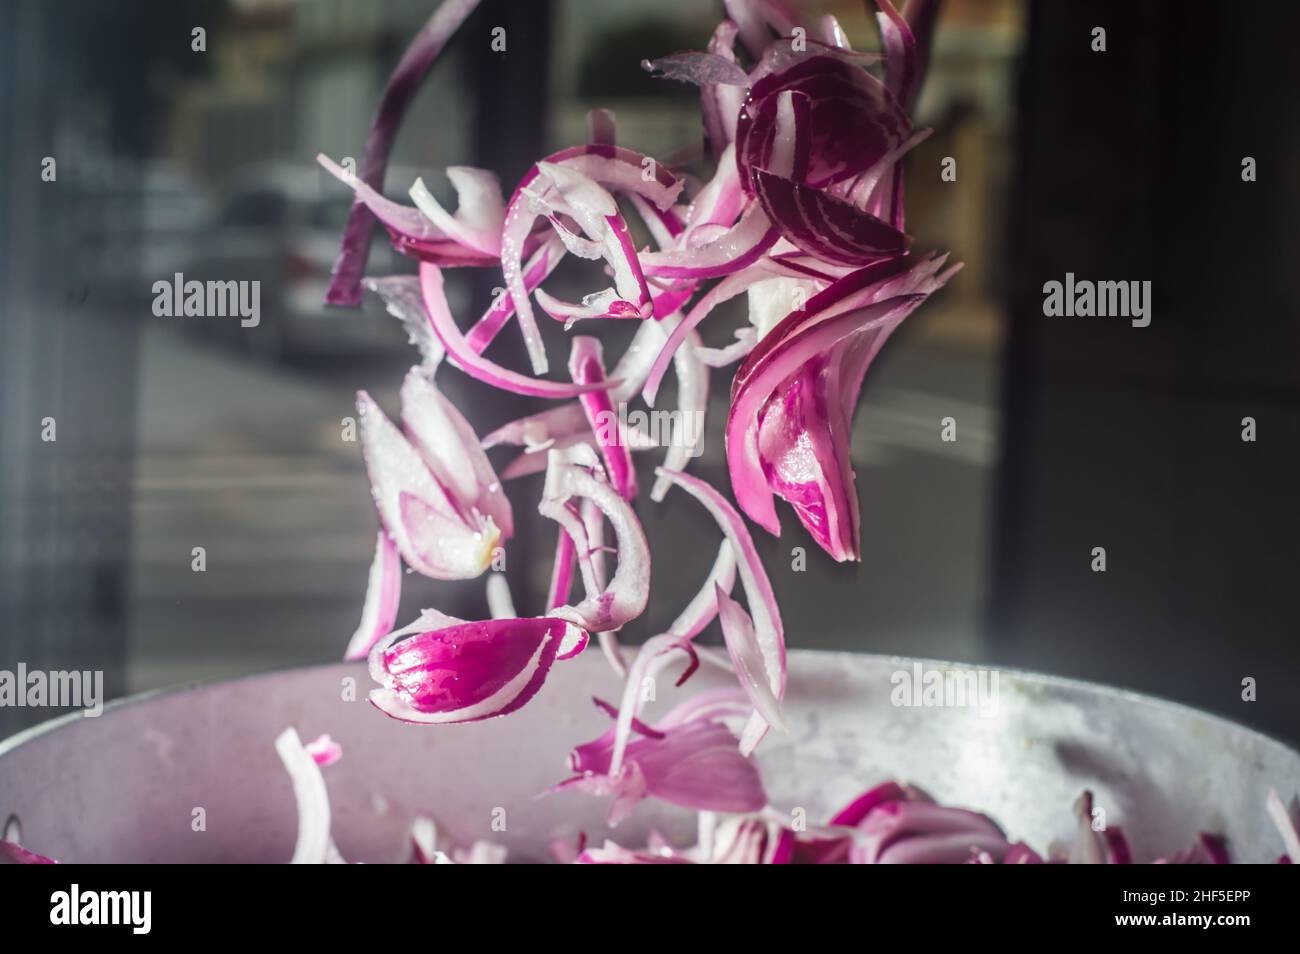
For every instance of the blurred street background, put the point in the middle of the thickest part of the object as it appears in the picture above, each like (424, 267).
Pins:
(177, 433)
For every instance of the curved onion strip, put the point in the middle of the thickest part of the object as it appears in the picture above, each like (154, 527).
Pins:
(502, 309)
(833, 34)
(501, 605)
(626, 595)
(758, 589)
(748, 481)
(313, 844)
(612, 167)
(12, 853)
(556, 639)
(383, 591)
(587, 367)
(699, 612)
(452, 452)
(728, 288)
(655, 654)
(1287, 821)
(739, 246)
(902, 68)
(664, 225)
(536, 430)
(595, 210)
(557, 593)
(720, 105)
(692, 406)
(826, 227)
(763, 686)
(533, 459)
(440, 542)
(698, 67)
(479, 214)
(345, 285)
(403, 219)
(473, 364)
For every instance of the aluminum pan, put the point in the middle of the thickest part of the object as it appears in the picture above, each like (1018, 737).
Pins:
(125, 786)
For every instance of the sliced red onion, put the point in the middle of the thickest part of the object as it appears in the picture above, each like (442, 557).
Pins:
(324, 750)
(597, 213)
(313, 844)
(626, 595)
(12, 853)
(345, 286)
(748, 480)
(824, 226)
(587, 366)
(533, 460)
(557, 593)
(431, 535)
(854, 120)
(665, 225)
(611, 853)
(655, 654)
(501, 605)
(902, 63)
(538, 430)
(537, 270)
(480, 210)
(862, 191)
(610, 167)
(768, 631)
(692, 406)
(740, 246)
(602, 304)
(763, 687)
(468, 671)
(803, 426)
(758, 19)
(697, 67)
(914, 830)
(411, 230)
(602, 130)
(720, 104)
(747, 840)
(452, 452)
(383, 591)
(424, 841)
(473, 364)
(694, 763)
(1287, 819)
(833, 34)
(728, 288)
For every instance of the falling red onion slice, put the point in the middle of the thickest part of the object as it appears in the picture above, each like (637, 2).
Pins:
(431, 534)
(625, 596)
(345, 284)
(453, 454)
(467, 671)
(480, 212)
(587, 366)
(768, 631)
(313, 844)
(383, 591)
(473, 364)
